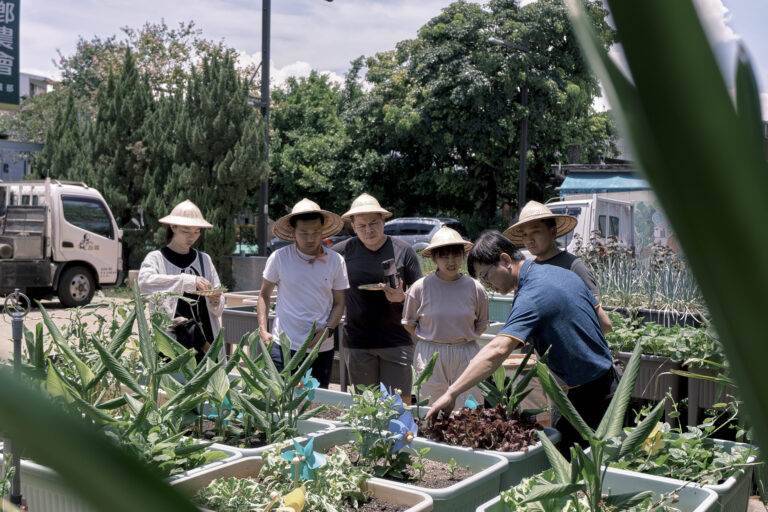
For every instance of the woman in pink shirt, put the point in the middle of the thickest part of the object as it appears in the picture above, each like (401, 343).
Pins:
(446, 311)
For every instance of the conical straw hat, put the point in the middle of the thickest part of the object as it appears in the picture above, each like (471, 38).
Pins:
(445, 236)
(332, 223)
(366, 203)
(536, 211)
(186, 213)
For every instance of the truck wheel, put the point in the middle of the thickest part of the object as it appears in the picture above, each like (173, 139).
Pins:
(76, 287)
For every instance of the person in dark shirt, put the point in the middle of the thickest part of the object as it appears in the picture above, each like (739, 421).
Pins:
(552, 309)
(538, 229)
(377, 347)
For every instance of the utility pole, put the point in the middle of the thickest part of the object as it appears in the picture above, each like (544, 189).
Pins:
(266, 6)
(522, 177)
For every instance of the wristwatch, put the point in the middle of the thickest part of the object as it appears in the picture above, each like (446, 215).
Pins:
(331, 331)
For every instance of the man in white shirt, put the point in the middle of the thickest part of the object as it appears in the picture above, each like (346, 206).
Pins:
(311, 283)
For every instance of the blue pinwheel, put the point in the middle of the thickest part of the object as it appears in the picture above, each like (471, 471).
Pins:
(397, 403)
(471, 402)
(308, 459)
(404, 430)
(310, 383)
(225, 405)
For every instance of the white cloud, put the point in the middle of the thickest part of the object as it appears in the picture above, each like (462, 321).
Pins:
(278, 76)
(716, 18)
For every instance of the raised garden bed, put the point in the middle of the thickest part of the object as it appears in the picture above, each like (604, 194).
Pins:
(462, 496)
(655, 379)
(411, 500)
(691, 498)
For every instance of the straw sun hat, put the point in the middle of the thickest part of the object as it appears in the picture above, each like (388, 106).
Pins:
(445, 236)
(366, 203)
(537, 211)
(332, 223)
(186, 214)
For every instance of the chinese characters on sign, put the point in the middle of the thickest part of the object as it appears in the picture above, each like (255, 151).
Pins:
(9, 54)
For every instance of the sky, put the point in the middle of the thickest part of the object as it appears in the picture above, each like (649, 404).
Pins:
(317, 34)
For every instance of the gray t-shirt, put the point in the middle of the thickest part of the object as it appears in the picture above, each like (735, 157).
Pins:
(446, 311)
(575, 264)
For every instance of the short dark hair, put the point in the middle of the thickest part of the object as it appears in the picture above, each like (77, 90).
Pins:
(448, 250)
(489, 248)
(550, 223)
(307, 216)
(168, 233)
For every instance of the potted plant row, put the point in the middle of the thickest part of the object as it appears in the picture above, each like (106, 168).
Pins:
(132, 396)
(585, 482)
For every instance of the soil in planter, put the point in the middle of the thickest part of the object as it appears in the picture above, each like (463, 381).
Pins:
(486, 428)
(255, 440)
(331, 413)
(437, 475)
(376, 505)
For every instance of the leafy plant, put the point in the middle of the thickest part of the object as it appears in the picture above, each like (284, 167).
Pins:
(516, 498)
(6, 475)
(384, 432)
(697, 345)
(273, 402)
(333, 485)
(692, 456)
(507, 391)
(585, 472)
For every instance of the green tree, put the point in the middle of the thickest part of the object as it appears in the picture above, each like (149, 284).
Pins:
(438, 133)
(218, 155)
(68, 158)
(306, 141)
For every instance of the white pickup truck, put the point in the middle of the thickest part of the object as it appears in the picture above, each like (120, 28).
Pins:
(57, 238)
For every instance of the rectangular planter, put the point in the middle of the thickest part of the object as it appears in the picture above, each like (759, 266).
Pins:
(499, 307)
(250, 467)
(463, 496)
(692, 498)
(703, 394)
(45, 491)
(307, 428)
(655, 379)
(523, 464)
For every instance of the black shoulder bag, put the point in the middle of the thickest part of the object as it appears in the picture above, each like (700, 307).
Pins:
(189, 332)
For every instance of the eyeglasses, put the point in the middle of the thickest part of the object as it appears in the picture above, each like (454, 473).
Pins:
(371, 225)
(484, 275)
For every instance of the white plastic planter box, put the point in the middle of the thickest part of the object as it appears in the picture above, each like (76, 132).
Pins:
(45, 491)
(522, 464)
(463, 496)
(692, 498)
(307, 428)
(499, 307)
(250, 467)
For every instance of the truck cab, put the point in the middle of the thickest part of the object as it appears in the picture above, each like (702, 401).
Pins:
(57, 238)
(606, 217)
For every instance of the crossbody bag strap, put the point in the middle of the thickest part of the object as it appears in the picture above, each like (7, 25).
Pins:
(201, 261)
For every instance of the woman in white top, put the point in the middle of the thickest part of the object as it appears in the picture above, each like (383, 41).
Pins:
(446, 312)
(179, 269)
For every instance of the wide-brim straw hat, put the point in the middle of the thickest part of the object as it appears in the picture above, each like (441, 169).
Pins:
(332, 223)
(186, 213)
(366, 203)
(445, 236)
(536, 211)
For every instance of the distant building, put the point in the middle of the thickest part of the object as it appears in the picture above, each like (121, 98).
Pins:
(14, 162)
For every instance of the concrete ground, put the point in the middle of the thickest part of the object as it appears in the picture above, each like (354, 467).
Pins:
(62, 317)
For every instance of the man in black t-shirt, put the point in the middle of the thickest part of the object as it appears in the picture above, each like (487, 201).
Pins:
(377, 347)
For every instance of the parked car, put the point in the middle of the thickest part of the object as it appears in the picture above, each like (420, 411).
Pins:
(418, 231)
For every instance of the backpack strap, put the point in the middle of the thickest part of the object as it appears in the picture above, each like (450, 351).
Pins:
(201, 261)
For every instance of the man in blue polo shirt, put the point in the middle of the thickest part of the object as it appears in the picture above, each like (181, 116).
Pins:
(553, 309)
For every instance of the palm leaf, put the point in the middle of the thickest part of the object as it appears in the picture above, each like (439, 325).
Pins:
(146, 347)
(643, 430)
(613, 420)
(569, 412)
(86, 375)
